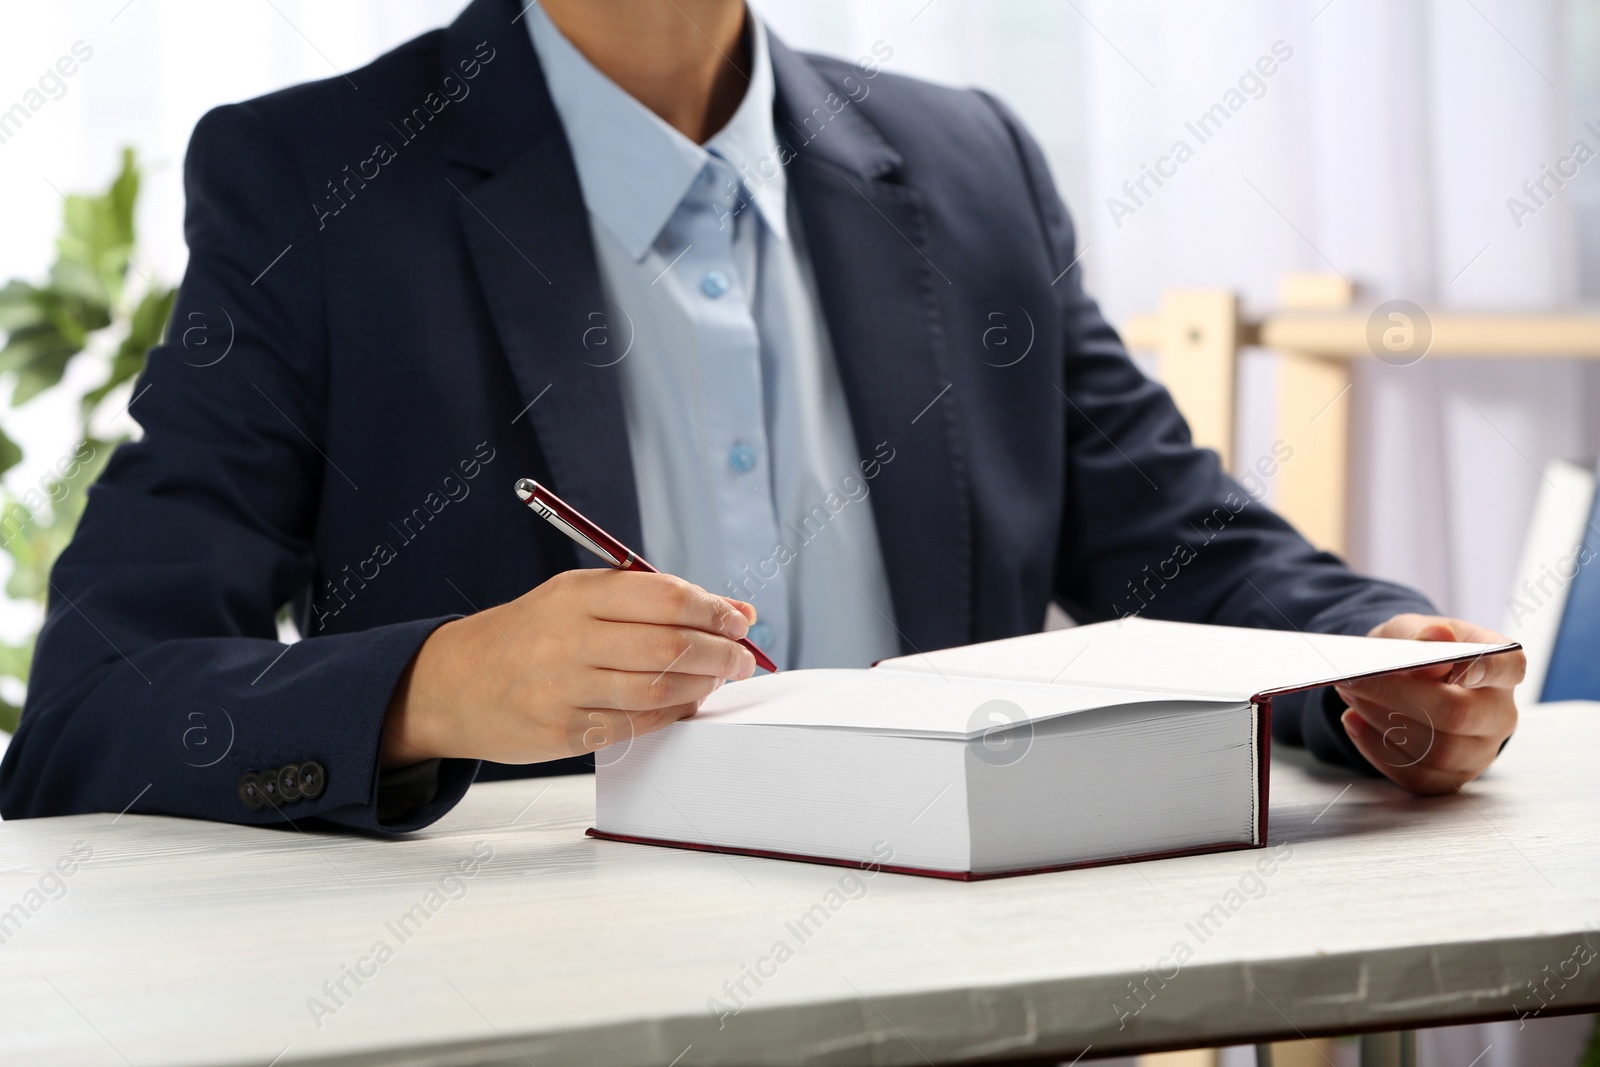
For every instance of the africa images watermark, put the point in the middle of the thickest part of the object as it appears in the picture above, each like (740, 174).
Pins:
(51, 85)
(346, 585)
(1254, 481)
(1553, 578)
(55, 484)
(454, 90)
(802, 928)
(798, 533)
(1538, 191)
(1399, 333)
(337, 991)
(1252, 85)
(1252, 885)
(1581, 956)
(50, 886)
(810, 127)
(198, 743)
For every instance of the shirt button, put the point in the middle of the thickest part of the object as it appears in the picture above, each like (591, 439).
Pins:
(714, 284)
(742, 458)
(760, 635)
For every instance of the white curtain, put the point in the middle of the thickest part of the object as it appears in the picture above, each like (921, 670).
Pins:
(1383, 147)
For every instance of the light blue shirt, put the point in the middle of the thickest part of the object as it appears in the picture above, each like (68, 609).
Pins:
(750, 480)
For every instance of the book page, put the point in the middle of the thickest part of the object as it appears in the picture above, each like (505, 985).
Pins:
(922, 704)
(1223, 662)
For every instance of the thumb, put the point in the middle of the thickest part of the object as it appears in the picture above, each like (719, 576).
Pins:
(1413, 627)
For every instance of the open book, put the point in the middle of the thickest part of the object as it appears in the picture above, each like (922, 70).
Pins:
(1098, 744)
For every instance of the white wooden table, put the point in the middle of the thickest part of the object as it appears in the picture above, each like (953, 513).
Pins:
(182, 942)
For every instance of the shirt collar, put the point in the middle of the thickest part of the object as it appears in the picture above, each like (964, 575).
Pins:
(634, 168)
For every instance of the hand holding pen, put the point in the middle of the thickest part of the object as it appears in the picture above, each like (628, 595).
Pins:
(570, 521)
(587, 658)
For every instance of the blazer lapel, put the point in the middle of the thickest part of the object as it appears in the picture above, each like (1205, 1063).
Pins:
(521, 209)
(868, 237)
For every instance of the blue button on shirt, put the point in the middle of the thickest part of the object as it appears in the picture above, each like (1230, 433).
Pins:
(750, 480)
(714, 284)
(743, 458)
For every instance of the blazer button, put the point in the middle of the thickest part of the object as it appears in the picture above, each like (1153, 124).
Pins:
(289, 781)
(268, 781)
(250, 791)
(313, 779)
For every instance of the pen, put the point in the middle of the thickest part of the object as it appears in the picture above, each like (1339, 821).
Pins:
(566, 518)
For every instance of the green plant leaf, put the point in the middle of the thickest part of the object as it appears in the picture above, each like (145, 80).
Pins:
(20, 305)
(15, 659)
(14, 663)
(145, 331)
(33, 539)
(41, 372)
(149, 323)
(10, 452)
(28, 344)
(46, 326)
(97, 237)
(46, 334)
(36, 526)
(77, 283)
(69, 509)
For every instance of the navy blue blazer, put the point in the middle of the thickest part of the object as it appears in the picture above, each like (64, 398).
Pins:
(389, 315)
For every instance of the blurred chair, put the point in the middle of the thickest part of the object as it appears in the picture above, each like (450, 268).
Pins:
(1573, 669)
(1554, 603)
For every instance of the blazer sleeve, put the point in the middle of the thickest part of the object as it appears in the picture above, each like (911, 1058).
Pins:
(158, 681)
(1153, 525)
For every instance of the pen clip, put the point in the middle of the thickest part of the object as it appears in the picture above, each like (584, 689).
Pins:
(550, 515)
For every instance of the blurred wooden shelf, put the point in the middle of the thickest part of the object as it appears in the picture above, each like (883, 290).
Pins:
(1197, 335)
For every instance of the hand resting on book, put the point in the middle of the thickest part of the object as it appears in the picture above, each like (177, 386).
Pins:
(1434, 729)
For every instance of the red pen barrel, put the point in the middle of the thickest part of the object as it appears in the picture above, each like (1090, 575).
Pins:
(763, 660)
(572, 522)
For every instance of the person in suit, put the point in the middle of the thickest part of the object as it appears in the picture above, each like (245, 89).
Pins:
(811, 335)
